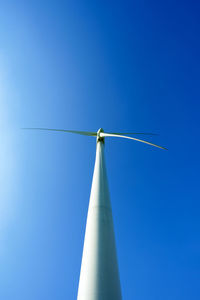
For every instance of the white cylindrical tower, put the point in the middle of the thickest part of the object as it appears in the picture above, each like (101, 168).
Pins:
(99, 277)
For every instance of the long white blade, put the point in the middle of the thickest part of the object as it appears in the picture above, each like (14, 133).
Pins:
(130, 133)
(88, 133)
(103, 134)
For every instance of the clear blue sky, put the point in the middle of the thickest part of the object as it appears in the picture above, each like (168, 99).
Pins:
(123, 66)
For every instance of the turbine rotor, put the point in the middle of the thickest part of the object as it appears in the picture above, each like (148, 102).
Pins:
(100, 135)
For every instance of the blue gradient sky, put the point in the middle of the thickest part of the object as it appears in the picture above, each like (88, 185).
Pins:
(120, 65)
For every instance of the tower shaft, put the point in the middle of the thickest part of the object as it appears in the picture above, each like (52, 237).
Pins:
(99, 277)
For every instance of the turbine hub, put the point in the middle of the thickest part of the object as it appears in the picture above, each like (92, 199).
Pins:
(99, 138)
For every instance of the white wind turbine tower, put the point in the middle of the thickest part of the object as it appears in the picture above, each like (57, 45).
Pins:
(99, 276)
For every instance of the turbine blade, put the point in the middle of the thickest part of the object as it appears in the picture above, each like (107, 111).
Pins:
(88, 133)
(127, 133)
(103, 134)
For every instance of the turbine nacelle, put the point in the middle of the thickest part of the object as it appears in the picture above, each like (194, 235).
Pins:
(99, 135)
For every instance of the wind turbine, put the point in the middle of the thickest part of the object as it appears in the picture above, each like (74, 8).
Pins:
(99, 276)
